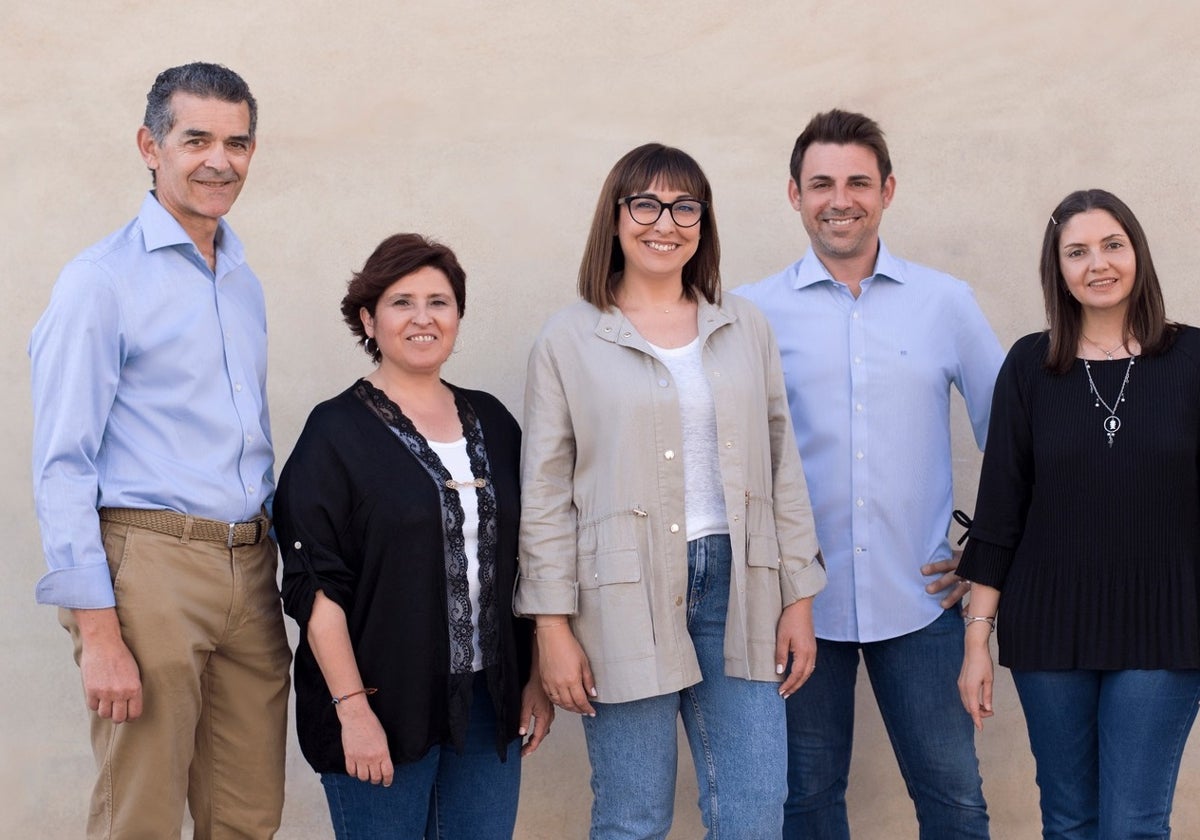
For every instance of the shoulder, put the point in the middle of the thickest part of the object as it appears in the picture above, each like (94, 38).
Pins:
(932, 281)
(334, 414)
(1027, 354)
(488, 408)
(1186, 342)
(570, 321)
(765, 289)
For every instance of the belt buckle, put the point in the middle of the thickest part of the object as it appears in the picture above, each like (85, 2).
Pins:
(229, 539)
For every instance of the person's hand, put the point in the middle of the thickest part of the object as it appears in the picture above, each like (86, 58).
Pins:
(566, 674)
(537, 713)
(958, 588)
(112, 683)
(795, 637)
(364, 742)
(975, 680)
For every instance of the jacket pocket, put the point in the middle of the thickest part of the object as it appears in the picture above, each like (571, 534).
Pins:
(764, 601)
(614, 622)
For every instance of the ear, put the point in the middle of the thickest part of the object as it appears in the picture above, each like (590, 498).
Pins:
(148, 147)
(793, 191)
(368, 321)
(889, 190)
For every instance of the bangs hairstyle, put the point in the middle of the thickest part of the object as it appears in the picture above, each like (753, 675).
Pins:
(394, 259)
(1145, 318)
(603, 261)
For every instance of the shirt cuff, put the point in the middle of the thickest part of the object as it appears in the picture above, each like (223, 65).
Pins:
(77, 588)
(805, 582)
(546, 597)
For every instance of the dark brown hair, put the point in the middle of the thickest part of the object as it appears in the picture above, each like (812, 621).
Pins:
(603, 261)
(1145, 318)
(841, 128)
(396, 257)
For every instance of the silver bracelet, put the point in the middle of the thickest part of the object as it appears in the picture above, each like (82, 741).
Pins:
(990, 619)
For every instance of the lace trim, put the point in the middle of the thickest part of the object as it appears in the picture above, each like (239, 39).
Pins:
(458, 600)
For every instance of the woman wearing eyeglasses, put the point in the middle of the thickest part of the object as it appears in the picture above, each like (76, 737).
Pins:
(667, 548)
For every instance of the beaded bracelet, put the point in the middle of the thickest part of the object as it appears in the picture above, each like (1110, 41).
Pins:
(366, 691)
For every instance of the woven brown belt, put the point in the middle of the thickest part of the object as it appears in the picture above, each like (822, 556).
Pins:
(186, 527)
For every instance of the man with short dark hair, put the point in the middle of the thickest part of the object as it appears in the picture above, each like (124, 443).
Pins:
(871, 345)
(153, 473)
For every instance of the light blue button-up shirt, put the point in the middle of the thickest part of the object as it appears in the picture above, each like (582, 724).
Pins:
(868, 382)
(149, 391)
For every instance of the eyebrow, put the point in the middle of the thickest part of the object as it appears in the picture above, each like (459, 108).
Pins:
(862, 176)
(1117, 235)
(201, 133)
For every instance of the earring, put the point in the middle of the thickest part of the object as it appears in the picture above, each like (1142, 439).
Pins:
(367, 342)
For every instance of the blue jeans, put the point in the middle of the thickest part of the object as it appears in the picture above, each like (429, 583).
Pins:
(735, 727)
(915, 679)
(443, 796)
(1108, 746)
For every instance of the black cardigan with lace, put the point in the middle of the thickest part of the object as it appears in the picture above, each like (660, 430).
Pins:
(359, 518)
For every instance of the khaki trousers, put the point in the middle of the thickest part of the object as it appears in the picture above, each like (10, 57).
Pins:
(205, 625)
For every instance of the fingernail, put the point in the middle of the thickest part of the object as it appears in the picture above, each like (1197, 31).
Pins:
(521, 731)
(593, 691)
(778, 669)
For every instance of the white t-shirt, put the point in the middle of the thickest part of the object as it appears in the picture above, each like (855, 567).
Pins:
(703, 497)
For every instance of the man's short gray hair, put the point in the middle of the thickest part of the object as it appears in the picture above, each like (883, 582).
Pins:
(212, 81)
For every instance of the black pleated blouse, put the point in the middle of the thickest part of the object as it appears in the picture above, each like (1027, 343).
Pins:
(1095, 548)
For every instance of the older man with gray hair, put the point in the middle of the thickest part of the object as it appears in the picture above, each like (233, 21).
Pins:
(153, 475)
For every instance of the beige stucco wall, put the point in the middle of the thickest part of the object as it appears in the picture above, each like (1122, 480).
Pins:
(491, 126)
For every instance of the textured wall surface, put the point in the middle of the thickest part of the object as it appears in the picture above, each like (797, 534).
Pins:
(491, 127)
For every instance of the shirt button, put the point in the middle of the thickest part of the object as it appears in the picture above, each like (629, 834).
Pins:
(250, 488)
(858, 406)
(737, 518)
(669, 454)
(854, 315)
(858, 549)
(662, 383)
(608, 329)
(859, 455)
(858, 360)
(729, 444)
(627, 334)
(674, 529)
(296, 544)
(249, 438)
(237, 386)
(679, 600)
(859, 502)
(717, 374)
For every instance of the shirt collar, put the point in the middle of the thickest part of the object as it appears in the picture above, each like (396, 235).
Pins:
(161, 230)
(612, 326)
(810, 270)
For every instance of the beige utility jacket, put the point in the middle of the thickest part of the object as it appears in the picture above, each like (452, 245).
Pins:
(603, 536)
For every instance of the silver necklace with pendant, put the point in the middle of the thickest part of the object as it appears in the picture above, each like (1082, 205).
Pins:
(1112, 423)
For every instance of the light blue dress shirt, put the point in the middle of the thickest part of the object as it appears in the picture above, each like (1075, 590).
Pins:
(868, 383)
(149, 391)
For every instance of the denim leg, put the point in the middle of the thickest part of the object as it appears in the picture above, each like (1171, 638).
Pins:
(1061, 709)
(475, 794)
(633, 750)
(820, 732)
(915, 679)
(1144, 721)
(363, 811)
(736, 728)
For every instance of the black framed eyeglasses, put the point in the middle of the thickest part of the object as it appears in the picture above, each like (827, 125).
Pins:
(646, 209)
